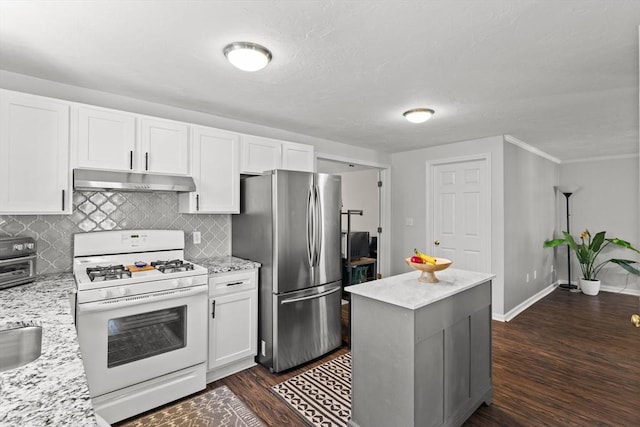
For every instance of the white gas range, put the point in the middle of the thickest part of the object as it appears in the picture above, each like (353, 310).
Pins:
(141, 319)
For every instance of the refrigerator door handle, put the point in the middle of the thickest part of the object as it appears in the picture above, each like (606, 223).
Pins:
(310, 226)
(318, 223)
(320, 295)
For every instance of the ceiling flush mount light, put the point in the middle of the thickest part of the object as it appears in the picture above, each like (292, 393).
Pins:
(418, 115)
(247, 56)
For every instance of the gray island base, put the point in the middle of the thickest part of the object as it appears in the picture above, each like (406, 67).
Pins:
(421, 352)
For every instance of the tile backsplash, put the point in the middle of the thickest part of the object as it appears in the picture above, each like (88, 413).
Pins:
(96, 211)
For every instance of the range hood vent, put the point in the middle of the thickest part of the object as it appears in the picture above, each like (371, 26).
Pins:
(100, 180)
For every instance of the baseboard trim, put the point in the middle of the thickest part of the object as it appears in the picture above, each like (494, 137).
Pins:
(511, 314)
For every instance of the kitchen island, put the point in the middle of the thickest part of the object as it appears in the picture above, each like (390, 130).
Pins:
(421, 352)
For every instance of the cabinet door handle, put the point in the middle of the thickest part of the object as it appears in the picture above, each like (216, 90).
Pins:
(197, 202)
(146, 161)
(213, 309)
(63, 200)
(234, 283)
(131, 159)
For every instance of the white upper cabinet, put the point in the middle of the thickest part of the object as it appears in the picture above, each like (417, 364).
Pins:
(215, 167)
(164, 146)
(259, 154)
(118, 140)
(34, 155)
(297, 157)
(106, 139)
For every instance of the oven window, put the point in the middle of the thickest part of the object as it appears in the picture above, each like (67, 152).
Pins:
(145, 335)
(14, 270)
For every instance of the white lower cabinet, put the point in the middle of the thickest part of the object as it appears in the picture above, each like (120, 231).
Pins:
(233, 322)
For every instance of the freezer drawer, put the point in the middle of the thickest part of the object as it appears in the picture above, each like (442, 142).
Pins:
(306, 325)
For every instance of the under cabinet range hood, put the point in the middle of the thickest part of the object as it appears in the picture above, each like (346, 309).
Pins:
(102, 180)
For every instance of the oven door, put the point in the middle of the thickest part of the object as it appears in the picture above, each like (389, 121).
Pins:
(129, 340)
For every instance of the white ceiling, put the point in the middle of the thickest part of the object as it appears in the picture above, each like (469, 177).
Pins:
(561, 76)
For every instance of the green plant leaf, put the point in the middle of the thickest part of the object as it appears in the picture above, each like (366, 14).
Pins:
(626, 264)
(570, 241)
(597, 241)
(623, 243)
(553, 243)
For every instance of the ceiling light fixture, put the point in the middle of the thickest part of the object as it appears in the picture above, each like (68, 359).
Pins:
(247, 56)
(418, 115)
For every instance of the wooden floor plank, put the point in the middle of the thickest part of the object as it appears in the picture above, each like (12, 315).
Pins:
(569, 360)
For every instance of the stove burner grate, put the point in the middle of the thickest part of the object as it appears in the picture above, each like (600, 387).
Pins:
(172, 266)
(111, 272)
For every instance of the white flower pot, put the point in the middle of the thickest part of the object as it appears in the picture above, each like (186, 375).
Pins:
(590, 287)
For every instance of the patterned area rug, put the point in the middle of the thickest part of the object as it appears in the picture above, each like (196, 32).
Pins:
(216, 408)
(321, 395)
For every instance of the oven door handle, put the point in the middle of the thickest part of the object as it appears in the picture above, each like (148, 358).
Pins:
(110, 304)
(18, 260)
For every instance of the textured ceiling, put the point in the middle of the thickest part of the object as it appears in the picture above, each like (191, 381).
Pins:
(561, 76)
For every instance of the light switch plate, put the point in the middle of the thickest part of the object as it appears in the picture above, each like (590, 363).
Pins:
(197, 238)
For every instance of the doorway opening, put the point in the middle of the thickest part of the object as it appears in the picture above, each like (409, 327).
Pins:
(362, 206)
(365, 208)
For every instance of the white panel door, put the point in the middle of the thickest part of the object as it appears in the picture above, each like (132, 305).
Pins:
(232, 328)
(461, 214)
(164, 147)
(34, 154)
(106, 139)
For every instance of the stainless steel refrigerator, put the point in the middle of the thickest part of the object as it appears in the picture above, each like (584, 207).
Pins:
(289, 221)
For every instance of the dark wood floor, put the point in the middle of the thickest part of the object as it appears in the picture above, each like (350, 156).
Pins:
(570, 360)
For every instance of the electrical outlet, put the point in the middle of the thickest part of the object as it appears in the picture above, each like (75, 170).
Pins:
(527, 277)
(535, 274)
(408, 222)
(197, 238)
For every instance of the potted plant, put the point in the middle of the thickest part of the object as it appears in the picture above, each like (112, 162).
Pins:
(587, 252)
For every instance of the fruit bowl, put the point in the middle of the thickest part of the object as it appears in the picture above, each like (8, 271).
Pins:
(427, 270)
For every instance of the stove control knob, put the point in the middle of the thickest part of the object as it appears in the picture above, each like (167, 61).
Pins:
(30, 245)
(104, 293)
(122, 292)
(18, 247)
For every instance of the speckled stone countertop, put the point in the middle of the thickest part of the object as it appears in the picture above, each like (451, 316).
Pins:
(224, 264)
(52, 390)
(406, 291)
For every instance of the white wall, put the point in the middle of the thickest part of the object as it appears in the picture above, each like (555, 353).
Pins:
(523, 214)
(23, 83)
(530, 218)
(408, 200)
(607, 199)
(360, 191)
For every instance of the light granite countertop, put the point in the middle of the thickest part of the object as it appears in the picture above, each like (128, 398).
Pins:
(406, 291)
(224, 264)
(52, 390)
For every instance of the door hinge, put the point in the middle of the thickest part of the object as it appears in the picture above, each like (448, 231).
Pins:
(379, 229)
(379, 183)
(213, 309)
